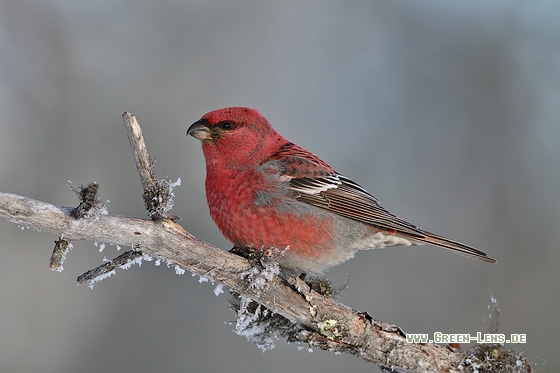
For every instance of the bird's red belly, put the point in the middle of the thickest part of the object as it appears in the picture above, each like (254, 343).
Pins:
(264, 227)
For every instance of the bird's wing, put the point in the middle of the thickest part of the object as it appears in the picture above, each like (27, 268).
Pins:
(316, 183)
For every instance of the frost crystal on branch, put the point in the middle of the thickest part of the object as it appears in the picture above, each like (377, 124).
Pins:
(493, 323)
(255, 322)
(167, 186)
(91, 282)
(258, 275)
(219, 289)
(159, 198)
(251, 323)
(179, 271)
(259, 325)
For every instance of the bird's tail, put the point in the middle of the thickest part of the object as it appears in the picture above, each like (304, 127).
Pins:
(446, 243)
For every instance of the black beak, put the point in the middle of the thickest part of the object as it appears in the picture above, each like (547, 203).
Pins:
(200, 130)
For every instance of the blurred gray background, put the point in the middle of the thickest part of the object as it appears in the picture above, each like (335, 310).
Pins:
(446, 111)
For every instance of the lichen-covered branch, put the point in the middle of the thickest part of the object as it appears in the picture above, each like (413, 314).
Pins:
(327, 323)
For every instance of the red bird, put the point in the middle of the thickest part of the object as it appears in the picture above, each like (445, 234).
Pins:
(265, 192)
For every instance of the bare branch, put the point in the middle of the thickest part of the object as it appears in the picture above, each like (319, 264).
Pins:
(157, 194)
(144, 163)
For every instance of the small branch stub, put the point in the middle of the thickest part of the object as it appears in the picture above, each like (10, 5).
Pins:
(158, 195)
(88, 200)
(108, 269)
(61, 248)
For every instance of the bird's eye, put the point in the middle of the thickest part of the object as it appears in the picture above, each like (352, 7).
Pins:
(226, 125)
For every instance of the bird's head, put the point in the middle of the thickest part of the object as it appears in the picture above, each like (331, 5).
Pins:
(236, 134)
